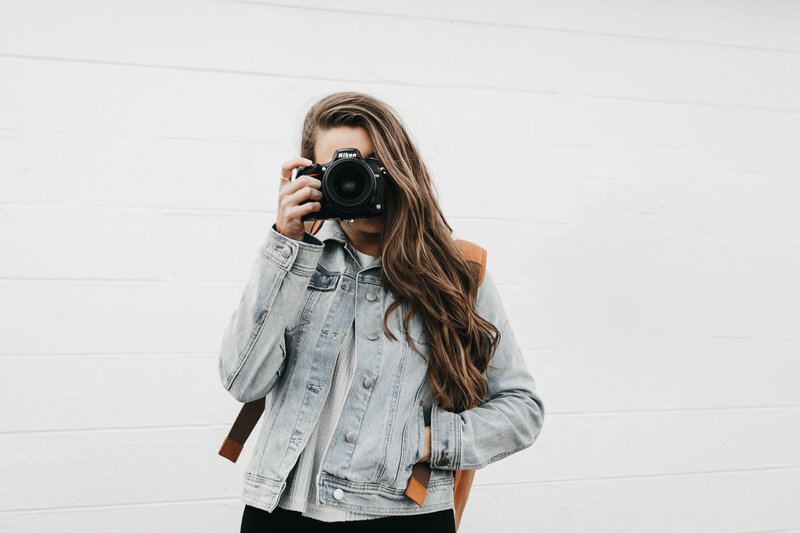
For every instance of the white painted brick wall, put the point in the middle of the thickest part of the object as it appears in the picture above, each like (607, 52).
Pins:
(642, 164)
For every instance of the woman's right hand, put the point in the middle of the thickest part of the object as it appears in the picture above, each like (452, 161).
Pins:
(291, 193)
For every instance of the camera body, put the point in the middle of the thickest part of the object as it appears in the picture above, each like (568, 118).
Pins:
(352, 187)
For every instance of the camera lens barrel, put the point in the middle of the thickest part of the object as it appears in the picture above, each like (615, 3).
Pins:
(348, 183)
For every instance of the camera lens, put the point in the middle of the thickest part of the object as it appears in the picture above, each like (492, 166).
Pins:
(348, 186)
(348, 183)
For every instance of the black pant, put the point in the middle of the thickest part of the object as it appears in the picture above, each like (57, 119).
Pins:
(257, 520)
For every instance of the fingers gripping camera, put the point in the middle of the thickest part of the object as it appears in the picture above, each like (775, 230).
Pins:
(352, 187)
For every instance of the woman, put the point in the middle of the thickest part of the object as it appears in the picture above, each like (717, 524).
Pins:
(370, 340)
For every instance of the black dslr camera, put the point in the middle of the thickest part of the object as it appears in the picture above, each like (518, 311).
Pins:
(352, 187)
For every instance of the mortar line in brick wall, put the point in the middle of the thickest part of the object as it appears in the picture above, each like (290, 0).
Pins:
(399, 83)
(226, 426)
(790, 530)
(205, 211)
(110, 355)
(679, 410)
(105, 136)
(553, 29)
(788, 468)
(160, 354)
(119, 429)
(116, 505)
(121, 281)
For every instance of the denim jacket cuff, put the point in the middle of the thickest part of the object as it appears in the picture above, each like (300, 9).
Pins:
(299, 257)
(445, 439)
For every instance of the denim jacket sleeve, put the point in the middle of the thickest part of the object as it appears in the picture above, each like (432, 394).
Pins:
(253, 351)
(509, 421)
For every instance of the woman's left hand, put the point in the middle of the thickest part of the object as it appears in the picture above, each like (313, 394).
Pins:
(426, 452)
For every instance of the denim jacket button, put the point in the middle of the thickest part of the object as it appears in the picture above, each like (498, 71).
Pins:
(443, 460)
(369, 382)
(351, 437)
(371, 296)
(338, 494)
(372, 336)
(286, 252)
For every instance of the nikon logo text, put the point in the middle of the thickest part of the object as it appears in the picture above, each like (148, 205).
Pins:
(346, 154)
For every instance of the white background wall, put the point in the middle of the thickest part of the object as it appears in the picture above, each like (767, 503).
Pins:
(631, 167)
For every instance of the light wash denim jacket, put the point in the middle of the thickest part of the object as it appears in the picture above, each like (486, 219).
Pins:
(298, 303)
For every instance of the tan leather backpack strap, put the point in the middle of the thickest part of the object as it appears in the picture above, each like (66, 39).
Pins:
(476, 255)
(461, 486)
(417, 488)
(312, 226)
(250, 412)
(241, 429)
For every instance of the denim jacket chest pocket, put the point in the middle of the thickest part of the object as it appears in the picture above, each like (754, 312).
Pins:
(322, 281)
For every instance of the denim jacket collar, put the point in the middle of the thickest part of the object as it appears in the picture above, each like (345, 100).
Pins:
(332, 230)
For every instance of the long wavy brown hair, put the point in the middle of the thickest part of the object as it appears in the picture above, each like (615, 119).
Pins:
(422, 266)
